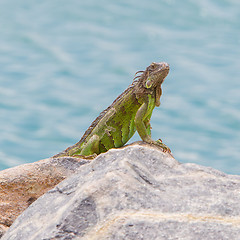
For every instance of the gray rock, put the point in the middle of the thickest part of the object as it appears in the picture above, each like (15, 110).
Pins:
(22, 185)
(137, 192)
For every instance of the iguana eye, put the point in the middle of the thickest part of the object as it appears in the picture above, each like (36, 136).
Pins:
(148, 83)
(152, 66)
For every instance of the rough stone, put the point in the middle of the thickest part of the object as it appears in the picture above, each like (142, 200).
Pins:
(137, 192)
(22, 185)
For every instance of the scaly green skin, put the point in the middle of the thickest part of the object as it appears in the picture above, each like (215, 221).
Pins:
(131, 111)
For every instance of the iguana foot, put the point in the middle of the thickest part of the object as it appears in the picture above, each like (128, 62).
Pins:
(163, 146)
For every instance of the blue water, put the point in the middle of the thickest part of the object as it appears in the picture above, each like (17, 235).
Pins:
(63, 62)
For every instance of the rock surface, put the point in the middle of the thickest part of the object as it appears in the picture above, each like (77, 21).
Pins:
(22, 185)
(137, 192)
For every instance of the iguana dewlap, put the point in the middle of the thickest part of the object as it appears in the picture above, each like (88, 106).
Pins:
(130, 112)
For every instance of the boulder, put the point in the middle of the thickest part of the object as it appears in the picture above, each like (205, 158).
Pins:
(22, 185)
(137, 192)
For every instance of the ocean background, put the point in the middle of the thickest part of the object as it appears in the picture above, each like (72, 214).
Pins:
(63, 62)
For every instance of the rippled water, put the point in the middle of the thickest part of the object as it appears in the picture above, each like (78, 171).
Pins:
(63, 62)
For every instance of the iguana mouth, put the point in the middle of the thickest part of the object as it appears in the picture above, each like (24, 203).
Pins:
(165, 73)
(164, 70)
(160, 75)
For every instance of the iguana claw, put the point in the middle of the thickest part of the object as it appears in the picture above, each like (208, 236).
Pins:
(163, 146)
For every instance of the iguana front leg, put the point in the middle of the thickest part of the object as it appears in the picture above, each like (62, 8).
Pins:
(143, 127)
(148, 125)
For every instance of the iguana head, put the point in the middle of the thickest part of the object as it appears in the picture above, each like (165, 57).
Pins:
(155, 74)
(151, 79)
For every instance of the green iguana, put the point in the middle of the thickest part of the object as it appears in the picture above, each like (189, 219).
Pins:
(130, 111)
